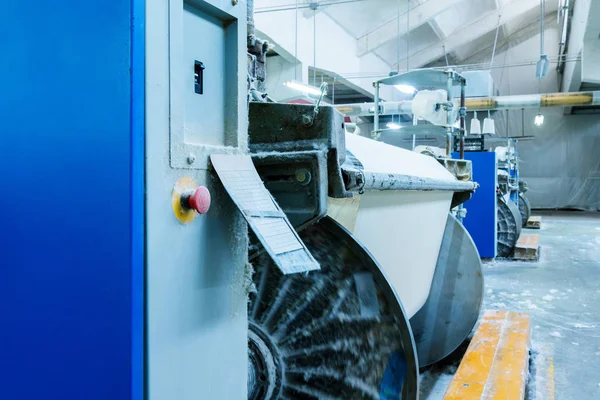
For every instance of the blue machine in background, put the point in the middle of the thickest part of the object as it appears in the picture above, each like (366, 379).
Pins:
(72, 162)
(512, 187)
(493, 216)
(481, 219)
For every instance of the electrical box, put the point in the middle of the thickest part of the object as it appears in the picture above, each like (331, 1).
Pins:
(479, 84)
(481, 220)
(205, 51)
(196, 271)
(115, 287)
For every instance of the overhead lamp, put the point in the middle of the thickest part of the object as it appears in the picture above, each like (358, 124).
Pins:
(539, 119)
(406, 89)
(393, 125)
(542, 67)
(475, 126)
(301, 87)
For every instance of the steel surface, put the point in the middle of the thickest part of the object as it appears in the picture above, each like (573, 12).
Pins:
(454, 301)
(72, 222)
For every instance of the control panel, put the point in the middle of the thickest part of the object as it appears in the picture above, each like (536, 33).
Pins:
(196, 239)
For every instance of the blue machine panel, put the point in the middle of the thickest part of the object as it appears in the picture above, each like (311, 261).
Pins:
(71, 162)
(481, 208)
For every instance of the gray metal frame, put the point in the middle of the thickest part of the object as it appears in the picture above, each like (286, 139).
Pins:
(456, 295)
(427, 79)
(191, 155)
(196, 279)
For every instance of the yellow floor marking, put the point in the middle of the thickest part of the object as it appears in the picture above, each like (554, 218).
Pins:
(550, 378)
(496, 363)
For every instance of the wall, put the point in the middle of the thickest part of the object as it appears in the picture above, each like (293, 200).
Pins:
(335, 48)
(561, 165)
(572, 72)
(280, 70)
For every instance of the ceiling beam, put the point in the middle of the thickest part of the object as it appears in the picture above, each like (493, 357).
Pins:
(487, 23)
(387, 32)
(436, 29)
(522, 33)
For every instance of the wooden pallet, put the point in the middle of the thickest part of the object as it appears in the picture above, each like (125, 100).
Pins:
(527, 247)
(496, 364)
(534, 222)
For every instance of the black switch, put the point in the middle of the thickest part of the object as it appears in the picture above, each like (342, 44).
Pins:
(198, 77)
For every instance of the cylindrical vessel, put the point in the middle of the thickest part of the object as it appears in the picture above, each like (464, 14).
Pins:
(403, 229)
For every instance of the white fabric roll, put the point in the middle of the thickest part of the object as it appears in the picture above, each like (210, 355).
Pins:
(402, 229)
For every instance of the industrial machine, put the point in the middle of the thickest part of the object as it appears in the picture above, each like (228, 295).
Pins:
(509, 182)
(493, 219)
(381, 256)
(499, 209)
(180, 253)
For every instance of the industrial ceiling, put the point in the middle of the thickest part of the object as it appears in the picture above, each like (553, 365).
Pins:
(431, 32)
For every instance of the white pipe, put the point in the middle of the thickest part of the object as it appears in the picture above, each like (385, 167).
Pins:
(483, 103)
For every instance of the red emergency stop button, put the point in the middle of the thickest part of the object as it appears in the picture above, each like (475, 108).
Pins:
(199, 200)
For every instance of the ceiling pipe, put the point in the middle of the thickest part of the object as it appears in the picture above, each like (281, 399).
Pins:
(573, 99)
(564, 11)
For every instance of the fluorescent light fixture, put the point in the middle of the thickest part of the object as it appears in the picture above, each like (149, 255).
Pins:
(301, 87)
(393, 125)
(539, 119)
(406, 89)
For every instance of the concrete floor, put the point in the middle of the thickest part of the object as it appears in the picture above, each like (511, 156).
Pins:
(562, 294)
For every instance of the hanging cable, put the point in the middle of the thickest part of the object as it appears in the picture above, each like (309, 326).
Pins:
(495, 41)
(289, 7)
(543, 13)
(460, 67)
(296, 46)
(407, 34)
(398, 39)
(314, 46)
(446, 55)
(494, 56)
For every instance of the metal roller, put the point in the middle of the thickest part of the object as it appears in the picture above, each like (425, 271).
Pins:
(524, 209)
(455, 298)
(509, 226)
(337, 333)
